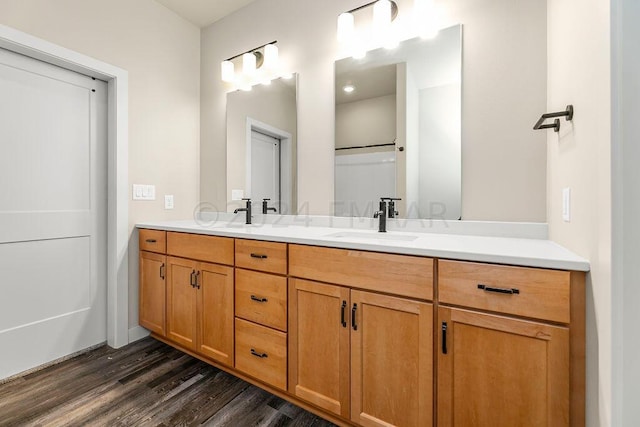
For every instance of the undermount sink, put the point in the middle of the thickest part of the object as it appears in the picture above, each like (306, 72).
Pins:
(373, 235)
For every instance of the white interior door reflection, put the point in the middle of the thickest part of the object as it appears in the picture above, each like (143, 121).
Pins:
(269, 173)
(265, 168)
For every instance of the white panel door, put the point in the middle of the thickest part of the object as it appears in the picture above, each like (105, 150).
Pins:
(265, 168)
(53, 194)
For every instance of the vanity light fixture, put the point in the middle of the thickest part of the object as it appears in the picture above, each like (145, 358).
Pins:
(383, 32)
(259, 65)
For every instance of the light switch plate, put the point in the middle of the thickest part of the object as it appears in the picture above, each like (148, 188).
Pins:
(168, 201)
(237, 194)
(144, 192)
(566, 204)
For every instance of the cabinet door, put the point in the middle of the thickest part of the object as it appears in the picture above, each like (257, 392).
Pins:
(319, 344)
(391, 361)
(152, 292)
(181, 302)
(497, 371)
(215, 308)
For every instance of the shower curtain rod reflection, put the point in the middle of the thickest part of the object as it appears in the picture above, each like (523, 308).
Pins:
(389, 144)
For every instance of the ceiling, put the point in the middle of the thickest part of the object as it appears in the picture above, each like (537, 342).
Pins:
(204, 12)
(368, 83)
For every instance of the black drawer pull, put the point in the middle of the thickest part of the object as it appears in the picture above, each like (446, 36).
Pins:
(343, 320)
(151, 241)
(260, 355)
(259, 256)
(353, 317)
(444, 337)
(498, 290)
(256, 299)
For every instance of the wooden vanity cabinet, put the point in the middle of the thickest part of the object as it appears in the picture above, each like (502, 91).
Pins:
(362, 355)
(152, 292)
(510, 346)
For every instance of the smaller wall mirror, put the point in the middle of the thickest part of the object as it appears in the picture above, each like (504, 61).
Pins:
(398, 129)
(261, 146)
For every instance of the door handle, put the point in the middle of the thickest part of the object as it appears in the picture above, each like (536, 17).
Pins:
(444, 337)
(197, 280)
(343, 309)
(353, 317)
(256, 299)
(162, 271)
(509, 291)
(260, 355)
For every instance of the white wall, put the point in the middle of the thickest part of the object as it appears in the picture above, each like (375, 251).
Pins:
(504, 92)
(579, 157)
(440, 168)
(161, 52)
(274, 105)
(365, 122)
(626, 211)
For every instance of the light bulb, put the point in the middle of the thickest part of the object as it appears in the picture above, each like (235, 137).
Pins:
(228, 71)
(248, 64)
(346, 27)
(270, 57)
(381, 15)
(426, 18)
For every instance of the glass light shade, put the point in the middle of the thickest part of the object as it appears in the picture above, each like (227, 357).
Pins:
(346, 27)
(381, 15)
(270, 57)
(228, 71)
(425, 15)
(248, 64)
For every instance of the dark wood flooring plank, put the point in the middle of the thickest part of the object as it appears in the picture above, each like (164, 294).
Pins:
(146, 383)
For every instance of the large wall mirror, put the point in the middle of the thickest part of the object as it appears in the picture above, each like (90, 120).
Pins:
(261, 145)
(398, 129)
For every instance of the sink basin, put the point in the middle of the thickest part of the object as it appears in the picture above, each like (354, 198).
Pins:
(373, 235)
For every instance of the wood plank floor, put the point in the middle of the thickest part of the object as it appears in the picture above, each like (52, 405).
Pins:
(146, 383)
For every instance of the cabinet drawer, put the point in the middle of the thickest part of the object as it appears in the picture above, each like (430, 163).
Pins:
(262, 353)
(264, 256)
(527, 292)
(214, 249)
(404, 275)
(262, 298)
(153, 240)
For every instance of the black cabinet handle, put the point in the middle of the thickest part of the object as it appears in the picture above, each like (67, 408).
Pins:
(192, 279)
(151, 241)
(343, 320)
(162, 271)
(353, 317)
(260, 355)
(197, 280)
(259, 256)
(256, 299)
(486, 288)
(444, 337)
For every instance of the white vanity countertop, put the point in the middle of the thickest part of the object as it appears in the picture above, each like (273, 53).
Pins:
(528, 252)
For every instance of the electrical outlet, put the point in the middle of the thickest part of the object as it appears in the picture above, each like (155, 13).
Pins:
(144, 192)
(168, 201)
(566, 204)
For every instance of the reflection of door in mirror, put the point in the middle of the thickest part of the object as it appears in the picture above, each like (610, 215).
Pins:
(259, 171)
(265, 168)
(406, 104)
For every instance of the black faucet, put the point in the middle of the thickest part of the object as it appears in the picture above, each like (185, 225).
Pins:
(265, 209)
(382, 214)
(247, 210)
(392, 213)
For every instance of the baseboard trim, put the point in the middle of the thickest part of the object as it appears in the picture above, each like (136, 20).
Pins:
(137, 333)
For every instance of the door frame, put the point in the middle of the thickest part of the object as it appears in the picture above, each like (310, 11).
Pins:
(117, 165)
(286, 155)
